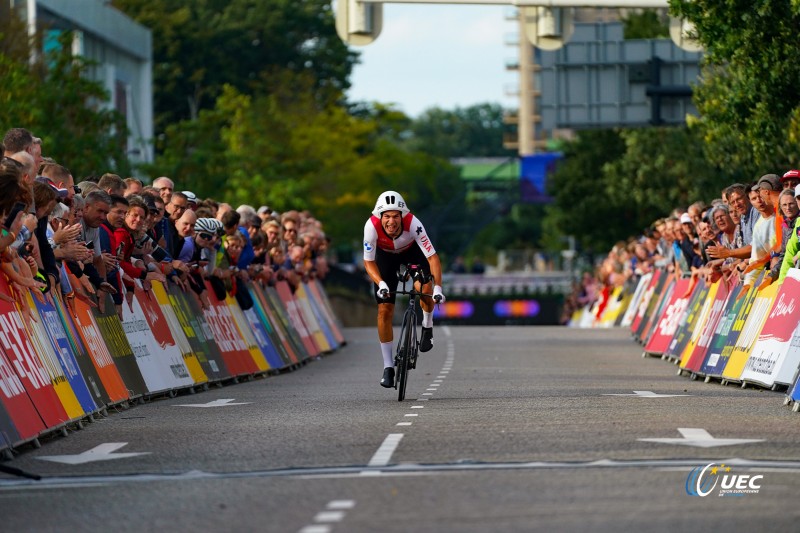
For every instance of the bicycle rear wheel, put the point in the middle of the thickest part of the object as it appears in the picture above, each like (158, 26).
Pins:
(406, 340)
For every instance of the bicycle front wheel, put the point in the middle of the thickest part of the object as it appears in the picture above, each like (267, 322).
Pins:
(407, 340)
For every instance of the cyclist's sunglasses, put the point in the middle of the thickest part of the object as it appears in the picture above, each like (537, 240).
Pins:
(206, 236)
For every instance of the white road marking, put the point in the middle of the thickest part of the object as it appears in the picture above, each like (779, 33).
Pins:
(225, 402)
(411, 414)
(427, 393)
(316, 529)
(701, 438)
(329, 516)
(431, 389)
(446, 330)
(341, 504)
(647, 394)
(437, 380)
(422, 399)
(417, 406)
(384, 453)
(102, 452)
(403, 424)
(441, 376)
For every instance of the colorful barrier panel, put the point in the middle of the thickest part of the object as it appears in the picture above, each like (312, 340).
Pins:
(638, 294)
(63, 359)
(670, 318)
(756, 317)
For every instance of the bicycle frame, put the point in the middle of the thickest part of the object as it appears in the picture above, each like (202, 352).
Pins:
(408, 344)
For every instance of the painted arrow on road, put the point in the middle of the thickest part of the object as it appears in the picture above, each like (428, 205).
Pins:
(701, 438)
(216, 403)
(103, 452)
(648, 394)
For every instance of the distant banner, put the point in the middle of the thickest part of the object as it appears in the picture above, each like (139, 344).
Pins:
(282, 316)
(190, 315)
(644, 302)
(325, 306)
(231, 345)
(773, 358)
(273, 326)
(641, 288)
(687, 321)
(316, 307)
(310, 319)
(246, 333)
(290, 306)
(661, 298)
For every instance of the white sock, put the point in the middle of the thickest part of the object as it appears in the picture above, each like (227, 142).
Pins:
(386, 351)
(427, 319)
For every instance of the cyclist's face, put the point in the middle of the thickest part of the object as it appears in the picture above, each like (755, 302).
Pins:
(390, 221)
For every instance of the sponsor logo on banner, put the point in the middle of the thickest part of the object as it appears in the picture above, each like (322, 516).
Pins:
(19, 349)
(702, 481)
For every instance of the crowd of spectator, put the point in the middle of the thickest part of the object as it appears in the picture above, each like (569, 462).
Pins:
(750, 228)
(101, 234)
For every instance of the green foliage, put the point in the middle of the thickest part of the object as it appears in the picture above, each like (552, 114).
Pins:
(475, 131)
(613, 184)
(55, 100)
(646, 24)
(201, 46)
(285, 148)
(747, 96)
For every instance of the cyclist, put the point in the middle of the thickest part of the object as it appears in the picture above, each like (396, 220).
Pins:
(393, 236)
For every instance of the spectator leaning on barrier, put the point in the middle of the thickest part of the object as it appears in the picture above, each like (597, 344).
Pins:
(739, 202)
(789, 209)
(763, 236)
(230, 223)
(791, 257)
(769, 186)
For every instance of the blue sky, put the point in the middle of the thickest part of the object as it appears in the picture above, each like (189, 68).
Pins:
(436, 55)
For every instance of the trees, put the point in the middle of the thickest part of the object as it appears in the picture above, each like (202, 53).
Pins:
(56, 101)
(747, 96)
(201, 46)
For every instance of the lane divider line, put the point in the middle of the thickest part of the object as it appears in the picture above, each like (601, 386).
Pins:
(403, 424)
(341, 504)
(385, 451)
(335, 512)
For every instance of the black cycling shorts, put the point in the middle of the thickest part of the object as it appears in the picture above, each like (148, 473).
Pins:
(388, 264)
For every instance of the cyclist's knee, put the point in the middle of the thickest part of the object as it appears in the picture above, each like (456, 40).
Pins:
(385, 311)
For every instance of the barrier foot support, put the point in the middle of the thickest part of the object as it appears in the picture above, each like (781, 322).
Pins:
(796, 407)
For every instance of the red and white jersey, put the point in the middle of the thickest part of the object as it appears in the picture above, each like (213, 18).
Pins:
(413, 231)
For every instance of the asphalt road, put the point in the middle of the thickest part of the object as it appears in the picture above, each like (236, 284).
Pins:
(503, 429)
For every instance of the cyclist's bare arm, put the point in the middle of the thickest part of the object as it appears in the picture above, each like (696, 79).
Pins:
(372, 271)
(436, 269)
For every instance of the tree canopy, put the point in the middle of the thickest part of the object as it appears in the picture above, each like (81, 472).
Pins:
(54, 98)
(747, 95)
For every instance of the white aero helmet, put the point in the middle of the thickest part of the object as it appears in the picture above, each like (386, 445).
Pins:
(208, 225)
(390, 201)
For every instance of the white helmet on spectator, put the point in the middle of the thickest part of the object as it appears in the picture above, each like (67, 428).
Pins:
(390, 201)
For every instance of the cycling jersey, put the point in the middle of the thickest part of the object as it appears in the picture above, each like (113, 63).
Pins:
(413, 231)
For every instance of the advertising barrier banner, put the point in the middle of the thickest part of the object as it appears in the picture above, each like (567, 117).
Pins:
(687, 321)
(668, 324)
(176, 330)
(315, 306)
(282, 318)
(661, 298)
(712, 313)
(641, 288)
(16, 402)
(773, 359)
(45, 350)
(273, 327)
(290, 306)
(51, 321)
(27, 365)
(193, 322)
(325, 306)
(244, 331)
(224, 332)
(756, 317)
(644, 303)
(718, 349)
(310, 319)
